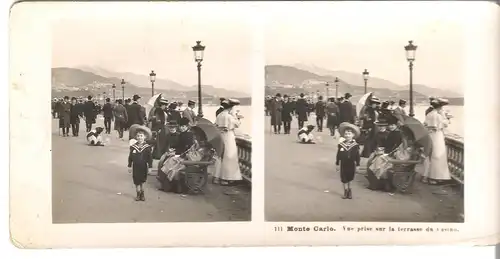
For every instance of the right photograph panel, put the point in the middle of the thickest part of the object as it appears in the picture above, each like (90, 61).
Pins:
(364, 117)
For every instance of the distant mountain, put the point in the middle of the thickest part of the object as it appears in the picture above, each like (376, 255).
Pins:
(357, 79)
(292, 81)
(162, 83)
(76, 82)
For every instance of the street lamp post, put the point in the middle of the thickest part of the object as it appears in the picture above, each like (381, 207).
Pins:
(123, 89)
(152, 77)
(327, 90)
(114, 87)
(336, 88)
(198, 50)
(410, 56)
(366, 75)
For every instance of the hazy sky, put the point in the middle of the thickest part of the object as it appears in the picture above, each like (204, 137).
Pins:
(352, 36)
(137, 40)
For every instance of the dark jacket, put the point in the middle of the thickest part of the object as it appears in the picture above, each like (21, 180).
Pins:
(89, 109)
(302, 107)
(174, 115)
(107, 110)
(135, 114)
(186, 140)
(286, 113)
(393, 140)
(347, 112)
(75, 113)
(320, 109)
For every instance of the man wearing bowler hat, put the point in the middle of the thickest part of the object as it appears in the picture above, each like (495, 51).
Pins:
(347, 111)
(135, 113)
(189, 114)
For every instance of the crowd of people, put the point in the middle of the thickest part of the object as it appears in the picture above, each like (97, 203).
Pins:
(164, 134)
(376, 133)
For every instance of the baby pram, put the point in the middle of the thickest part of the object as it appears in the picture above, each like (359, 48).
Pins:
(190, 175)
(396, 171)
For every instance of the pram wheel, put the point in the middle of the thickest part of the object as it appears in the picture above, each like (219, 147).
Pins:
(196, 182)
(403, 181)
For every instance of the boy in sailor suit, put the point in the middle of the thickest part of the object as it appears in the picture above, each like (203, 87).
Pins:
(140, 160)
(348, 157)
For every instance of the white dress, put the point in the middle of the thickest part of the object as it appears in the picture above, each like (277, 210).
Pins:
(437, 165)
(230, 168)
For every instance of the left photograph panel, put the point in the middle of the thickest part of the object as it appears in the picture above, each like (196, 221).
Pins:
(151, 120)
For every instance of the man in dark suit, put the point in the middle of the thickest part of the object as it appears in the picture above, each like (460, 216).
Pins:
(107, 110)
(89, 113)
(64, 116)
(320, 113)
(127, 108)
(189, 114)
(135, 113)
(75, 114)
(302, 108)
(346, 110)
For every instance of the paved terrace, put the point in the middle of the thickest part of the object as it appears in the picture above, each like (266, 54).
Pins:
(92, 185)
(301, 184)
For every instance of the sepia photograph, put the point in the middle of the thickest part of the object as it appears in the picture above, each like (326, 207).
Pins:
(364, 116)
(151, 119)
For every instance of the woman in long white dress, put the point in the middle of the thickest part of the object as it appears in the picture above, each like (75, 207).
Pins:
(227, 121)
(436, 121)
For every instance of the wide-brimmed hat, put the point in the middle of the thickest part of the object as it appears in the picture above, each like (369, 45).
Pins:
(402, 101)
(374, 99)
(190, 102)
(136, 97)
(347, 95)
(233, 102)
(346, 125)
(163, 101)
(136, 128)
(443, 101)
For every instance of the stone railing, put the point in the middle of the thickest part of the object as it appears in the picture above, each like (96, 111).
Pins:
(455, 152)
(244, 144)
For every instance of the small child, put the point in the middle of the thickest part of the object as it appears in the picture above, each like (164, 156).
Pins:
(348, 157)
(94, 137)
(140, 160)
(305, 136)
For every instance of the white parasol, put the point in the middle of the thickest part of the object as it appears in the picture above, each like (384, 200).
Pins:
(362, 102)
(151, 103)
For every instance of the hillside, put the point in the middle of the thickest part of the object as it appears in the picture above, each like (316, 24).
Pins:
(161, 83)
(293, 81)
(76, 82)
(357, 79)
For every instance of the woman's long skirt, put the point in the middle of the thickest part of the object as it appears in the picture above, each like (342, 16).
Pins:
(331, 121)
(438, 162)
(369, 144)
(230, 168)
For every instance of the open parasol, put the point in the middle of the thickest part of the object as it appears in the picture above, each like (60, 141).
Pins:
(362, 102)
(212, 135)
(419, 131)
(151, 103)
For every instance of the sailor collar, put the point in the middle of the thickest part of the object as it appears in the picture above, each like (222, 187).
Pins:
(347, 145)
(140, 147)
